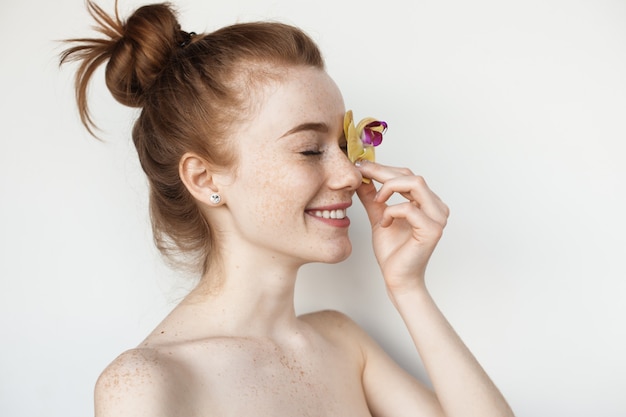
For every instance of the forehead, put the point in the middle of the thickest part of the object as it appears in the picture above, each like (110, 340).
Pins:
(299, 95)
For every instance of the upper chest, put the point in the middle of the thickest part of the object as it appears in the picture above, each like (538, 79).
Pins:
(260, 378)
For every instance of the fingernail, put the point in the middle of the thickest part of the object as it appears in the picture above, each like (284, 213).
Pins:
(357, 164)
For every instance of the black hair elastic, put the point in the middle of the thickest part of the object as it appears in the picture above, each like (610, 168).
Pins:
(186, 38)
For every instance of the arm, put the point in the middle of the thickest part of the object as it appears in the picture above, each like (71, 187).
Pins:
(404, 237)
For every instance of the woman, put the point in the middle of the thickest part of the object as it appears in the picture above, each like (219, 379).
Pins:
(241, 137)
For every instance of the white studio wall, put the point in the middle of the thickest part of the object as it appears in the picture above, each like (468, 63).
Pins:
(514, 112)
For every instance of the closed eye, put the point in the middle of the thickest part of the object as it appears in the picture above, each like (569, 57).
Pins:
(311, 153)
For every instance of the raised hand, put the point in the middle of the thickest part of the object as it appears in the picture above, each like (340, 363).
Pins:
(405, 234)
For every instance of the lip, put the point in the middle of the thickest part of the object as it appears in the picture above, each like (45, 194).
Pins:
(345, 222)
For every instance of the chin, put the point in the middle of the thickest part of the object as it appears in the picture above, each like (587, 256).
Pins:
(338, 255)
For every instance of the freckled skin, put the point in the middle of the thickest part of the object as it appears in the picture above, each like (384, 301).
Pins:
(237, 348)
(319, 374)
(240, 350)
(274, 183)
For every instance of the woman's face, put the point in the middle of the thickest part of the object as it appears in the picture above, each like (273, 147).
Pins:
(293, 183)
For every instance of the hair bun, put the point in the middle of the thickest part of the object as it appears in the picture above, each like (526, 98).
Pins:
(149, 38)
(137, 52)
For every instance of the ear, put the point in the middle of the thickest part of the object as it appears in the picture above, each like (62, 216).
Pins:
(197, 175)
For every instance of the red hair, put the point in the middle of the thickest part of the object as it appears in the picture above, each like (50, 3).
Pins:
(191, 89)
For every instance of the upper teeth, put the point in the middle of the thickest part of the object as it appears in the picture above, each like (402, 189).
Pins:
(330, 214)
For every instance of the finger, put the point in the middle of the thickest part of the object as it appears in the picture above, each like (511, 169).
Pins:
(424, 226)
(415, 189)
(381, 173)
(367, 195)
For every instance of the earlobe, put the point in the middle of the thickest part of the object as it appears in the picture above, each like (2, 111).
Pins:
(196, 173)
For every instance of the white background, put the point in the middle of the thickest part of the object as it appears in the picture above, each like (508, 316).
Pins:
(515, 112)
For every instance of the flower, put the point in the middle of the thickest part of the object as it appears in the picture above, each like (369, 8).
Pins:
(363, 137)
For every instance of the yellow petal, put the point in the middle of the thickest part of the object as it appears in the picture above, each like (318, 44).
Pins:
(369, 154)
(356, 150)
(355, 146)
(347, 120)
(353, 140)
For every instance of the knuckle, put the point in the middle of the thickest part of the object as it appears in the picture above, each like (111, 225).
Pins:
(442, 217)
(419, 181)
(446, 210)
(437, 231)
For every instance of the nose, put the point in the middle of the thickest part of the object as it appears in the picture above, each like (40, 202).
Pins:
(341, 173)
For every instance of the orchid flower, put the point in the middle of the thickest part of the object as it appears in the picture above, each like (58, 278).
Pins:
(363, 137)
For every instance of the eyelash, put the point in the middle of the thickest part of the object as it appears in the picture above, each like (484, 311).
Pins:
(311, 153)
(315, 152)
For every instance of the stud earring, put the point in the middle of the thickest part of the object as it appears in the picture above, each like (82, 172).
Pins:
(215, 198)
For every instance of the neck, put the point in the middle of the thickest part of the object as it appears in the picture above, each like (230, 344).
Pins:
(252, 295)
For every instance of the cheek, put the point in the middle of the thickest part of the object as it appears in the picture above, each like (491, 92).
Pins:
(276, 185)
(272, 192)
(281, 177)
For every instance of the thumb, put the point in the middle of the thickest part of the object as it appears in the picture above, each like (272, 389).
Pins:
(374, 210)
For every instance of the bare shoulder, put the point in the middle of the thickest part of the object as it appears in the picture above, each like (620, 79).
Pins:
(338, 327)
(385, 383)
(330, 319)
(139, 382)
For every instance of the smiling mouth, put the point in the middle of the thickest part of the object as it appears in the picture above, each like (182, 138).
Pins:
(329, 214)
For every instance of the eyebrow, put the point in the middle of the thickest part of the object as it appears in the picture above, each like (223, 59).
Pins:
(316, 127)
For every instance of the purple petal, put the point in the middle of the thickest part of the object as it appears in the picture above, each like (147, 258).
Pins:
(377, 138)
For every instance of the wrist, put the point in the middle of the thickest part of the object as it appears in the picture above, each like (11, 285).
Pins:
(409, 295)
